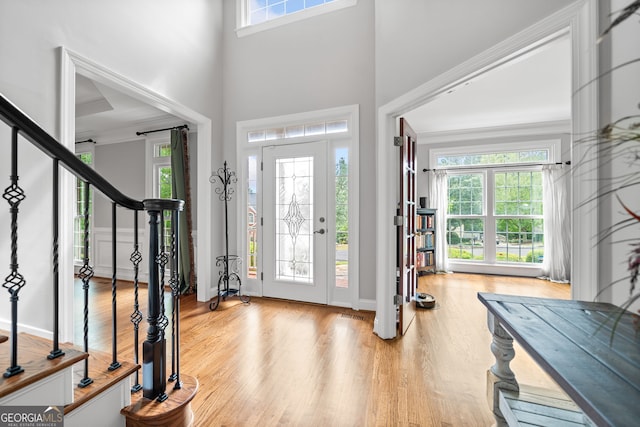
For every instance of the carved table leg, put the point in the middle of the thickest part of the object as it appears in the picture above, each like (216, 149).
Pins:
(500, 375)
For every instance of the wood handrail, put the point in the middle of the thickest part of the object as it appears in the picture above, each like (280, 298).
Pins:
(29, 129)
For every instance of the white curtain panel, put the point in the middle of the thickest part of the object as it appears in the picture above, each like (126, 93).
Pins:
(556, 265)
(439, 199)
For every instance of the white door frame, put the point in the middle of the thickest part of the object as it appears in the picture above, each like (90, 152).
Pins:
(72, 63)
(580, 19)
(351, 296)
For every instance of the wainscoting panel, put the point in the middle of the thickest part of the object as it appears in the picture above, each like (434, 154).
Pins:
(124, 247)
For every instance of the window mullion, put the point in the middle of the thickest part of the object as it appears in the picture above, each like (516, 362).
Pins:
(490, 219)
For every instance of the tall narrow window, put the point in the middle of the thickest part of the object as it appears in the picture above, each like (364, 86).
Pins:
(162, 185)
(518, 212)
(79, 219)
(465, 220)
(252, 217)
(342, 217)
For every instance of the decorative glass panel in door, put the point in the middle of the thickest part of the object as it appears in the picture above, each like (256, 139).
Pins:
(295, 222)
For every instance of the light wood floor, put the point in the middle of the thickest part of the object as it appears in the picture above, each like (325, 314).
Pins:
(279, 363)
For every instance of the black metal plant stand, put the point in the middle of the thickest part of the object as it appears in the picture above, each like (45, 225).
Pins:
(229, 264)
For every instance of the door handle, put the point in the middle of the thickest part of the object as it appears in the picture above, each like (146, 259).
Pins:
(321, 231)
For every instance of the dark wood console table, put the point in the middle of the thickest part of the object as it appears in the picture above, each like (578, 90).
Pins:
(572, 342)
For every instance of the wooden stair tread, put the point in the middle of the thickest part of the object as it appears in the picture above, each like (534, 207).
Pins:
(102, 377)
(32, 357)
(173, 412)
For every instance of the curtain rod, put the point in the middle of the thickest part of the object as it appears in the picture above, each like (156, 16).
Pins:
(568, 162)
(86, 140)
(160, 130)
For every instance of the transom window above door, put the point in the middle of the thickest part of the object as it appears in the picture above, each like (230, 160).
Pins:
(493, 158)
(258, 15)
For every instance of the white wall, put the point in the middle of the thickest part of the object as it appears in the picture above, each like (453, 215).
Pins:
(173, 48)
(313, 64)
(620, 97)
(417, 40)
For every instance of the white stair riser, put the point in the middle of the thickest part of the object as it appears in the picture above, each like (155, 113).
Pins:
(54, 390)
(103, 410)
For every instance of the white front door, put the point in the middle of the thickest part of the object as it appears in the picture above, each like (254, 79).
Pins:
(295, 222)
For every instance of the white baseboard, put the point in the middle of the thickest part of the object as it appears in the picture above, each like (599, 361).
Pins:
(22, 328)
(367, 304)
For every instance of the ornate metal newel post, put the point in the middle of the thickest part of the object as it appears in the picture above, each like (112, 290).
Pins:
(85, 274)
(154, 347)
(14, 281)
(136, 315)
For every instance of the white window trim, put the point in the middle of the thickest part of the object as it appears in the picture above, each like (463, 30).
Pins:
(349, 139)
(151, 162)
(490, 265)
(553, 145)
(243, 29)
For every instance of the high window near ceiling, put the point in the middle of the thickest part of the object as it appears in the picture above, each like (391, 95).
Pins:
(494, 214)
(257, 15)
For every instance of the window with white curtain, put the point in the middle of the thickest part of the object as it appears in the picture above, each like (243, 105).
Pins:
(495, 203)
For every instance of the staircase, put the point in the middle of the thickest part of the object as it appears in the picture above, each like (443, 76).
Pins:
(95, 388)
(50, 382)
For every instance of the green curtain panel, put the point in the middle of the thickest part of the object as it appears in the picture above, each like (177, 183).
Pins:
(182, 190)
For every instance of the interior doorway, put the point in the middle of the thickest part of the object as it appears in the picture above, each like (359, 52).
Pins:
(580, 21)
(73, 65)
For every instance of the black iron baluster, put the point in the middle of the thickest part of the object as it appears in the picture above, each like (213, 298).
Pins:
(114, 283)
(136, 316)
(14, 281)
(163, 260)
(55, 351)
(175, 293)
(85, 274)
(153, 348)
